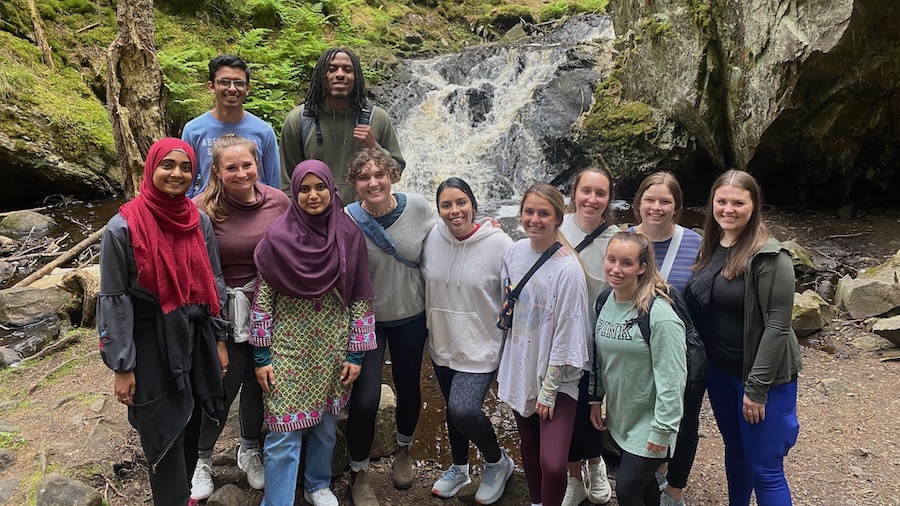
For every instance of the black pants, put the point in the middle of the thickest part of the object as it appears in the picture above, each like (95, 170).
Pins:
(171, 480)
(688, 438)
(466, 421)
(587, 441)
(635, 482)
(407, 344)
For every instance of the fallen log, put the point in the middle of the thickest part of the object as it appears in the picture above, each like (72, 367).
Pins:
(65, 257)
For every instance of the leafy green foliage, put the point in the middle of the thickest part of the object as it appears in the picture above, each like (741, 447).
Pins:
(564, 8)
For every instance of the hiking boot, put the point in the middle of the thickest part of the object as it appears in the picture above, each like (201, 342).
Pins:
(666, 500)
(575, 492)
(250, 461)
(403, 468)
(361, 493)
(451, 482)
(202, 483)
(598, 489)
(493, 481)
(321, 497)
(661, 480)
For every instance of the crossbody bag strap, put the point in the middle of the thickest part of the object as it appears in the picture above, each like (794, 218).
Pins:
(672, 252)
(588, 239)
(377, 234)
(514, 295)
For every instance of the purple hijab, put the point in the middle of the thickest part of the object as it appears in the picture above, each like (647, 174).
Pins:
(305, 256)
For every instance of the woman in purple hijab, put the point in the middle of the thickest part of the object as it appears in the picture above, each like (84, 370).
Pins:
(311, 322)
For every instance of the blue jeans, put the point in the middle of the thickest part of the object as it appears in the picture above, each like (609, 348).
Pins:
(754, 453)
(282, 460)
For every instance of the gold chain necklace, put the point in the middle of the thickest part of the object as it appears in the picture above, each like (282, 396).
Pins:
(386, 211)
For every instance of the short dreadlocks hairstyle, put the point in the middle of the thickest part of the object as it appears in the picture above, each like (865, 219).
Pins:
(317, 87)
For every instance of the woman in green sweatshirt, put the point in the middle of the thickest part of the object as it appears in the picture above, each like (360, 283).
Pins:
(643, 383)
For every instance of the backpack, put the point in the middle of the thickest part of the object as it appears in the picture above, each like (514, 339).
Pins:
(698, 366)
(309, 121)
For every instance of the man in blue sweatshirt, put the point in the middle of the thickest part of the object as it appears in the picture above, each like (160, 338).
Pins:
(229, 81)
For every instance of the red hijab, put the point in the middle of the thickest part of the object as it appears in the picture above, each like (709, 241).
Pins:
(169, 248)
(306, 256)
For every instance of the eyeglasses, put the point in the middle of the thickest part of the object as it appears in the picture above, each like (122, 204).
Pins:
(226, 83)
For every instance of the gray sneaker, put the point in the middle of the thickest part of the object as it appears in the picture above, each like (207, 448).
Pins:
(493, 481)
(451, 482)
(666, 500)
(661, 480)
(250, 461)
(202, 483)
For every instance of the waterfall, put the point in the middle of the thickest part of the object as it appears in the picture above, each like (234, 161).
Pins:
(495, 114)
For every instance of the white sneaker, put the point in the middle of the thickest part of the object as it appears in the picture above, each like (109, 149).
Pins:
(493, 480)
(250, 461)
(322, 497)
(599, 491)
(451, 482)
(202, 483)
(575, 492)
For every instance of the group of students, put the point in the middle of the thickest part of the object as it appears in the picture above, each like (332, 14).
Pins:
(291, 300)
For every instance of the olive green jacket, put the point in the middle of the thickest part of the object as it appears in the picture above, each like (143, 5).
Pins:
(771, 351)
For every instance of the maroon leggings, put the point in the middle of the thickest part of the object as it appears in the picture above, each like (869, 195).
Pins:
(545, 450)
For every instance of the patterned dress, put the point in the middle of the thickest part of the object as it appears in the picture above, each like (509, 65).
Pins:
(308, 340)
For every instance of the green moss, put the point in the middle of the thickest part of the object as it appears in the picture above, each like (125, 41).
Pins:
(615, 122)
(562, 8)
(655, 28)
(12, 441)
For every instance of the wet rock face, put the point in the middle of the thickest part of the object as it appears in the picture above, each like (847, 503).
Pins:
(796, 92)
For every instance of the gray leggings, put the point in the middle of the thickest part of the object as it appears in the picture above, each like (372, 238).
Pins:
(464, 393)
(241, 377)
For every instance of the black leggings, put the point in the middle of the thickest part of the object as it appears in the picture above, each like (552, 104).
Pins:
(686, 444)
(407, 344)
(587, 441)
(635, 482)
(466, 421)
(241, 377)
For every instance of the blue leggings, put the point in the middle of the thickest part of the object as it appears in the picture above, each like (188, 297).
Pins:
(754, 453)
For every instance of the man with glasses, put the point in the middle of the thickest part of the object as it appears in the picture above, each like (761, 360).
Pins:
(335, 121)
(229, 81)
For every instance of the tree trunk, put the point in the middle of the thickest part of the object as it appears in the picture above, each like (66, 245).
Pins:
(39, 36)
(135, 92)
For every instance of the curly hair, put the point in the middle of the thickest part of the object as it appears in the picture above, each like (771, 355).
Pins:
(318, 86)
(362, 158)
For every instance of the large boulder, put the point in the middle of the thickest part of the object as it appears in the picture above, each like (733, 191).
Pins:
(810, 313)
(800, 93)
(888, 328)
(24, 222)
(27, 305)
(58, 490)
(874, 292)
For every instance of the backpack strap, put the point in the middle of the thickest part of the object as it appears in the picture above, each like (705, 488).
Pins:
(377, 234)
(644, 322)
(588, 239)
(364, 116)
(672, 252)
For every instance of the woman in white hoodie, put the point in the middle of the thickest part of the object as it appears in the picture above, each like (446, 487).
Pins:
(463, 295)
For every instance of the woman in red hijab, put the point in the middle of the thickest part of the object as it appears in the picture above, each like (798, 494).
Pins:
(158, 316)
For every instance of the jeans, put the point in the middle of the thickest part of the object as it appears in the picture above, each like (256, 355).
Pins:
(282, 459)
(754, 453)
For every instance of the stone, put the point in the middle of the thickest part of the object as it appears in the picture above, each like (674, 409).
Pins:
(8, 487)
(863, 298)
(810, 313)
(97, 405)
(27, 305)
(7, 245)
(888, 328)
(801, 257)
(7, 459)
(229, 495)
(9, 356)
(58, 490)
(8, 427)
(25, 222)
(832, 387)
(870, 343)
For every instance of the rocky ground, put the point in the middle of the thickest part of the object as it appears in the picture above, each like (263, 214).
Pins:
(58, 414)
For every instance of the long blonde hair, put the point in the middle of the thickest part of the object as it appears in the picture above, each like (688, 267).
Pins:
(650, 283)
(752, 237)
(213, 199)
(557, 201)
